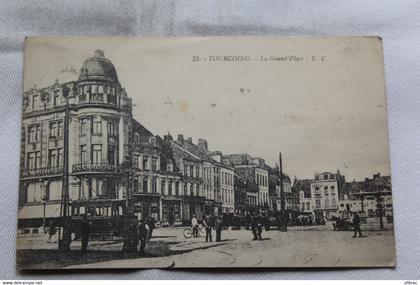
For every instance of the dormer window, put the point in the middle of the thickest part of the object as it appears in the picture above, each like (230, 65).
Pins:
(152, 141)
(136, 138)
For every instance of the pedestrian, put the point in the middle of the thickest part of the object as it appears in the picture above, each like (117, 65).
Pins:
(356, 225)
(143, 235)
(208, 225)
(194, 225)
(85, 232)
(130, 234)
(219, 226)
(259, 227)
(151, 224)
(51, 230)
(254, 227)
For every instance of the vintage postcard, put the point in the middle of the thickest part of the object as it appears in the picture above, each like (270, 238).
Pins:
(204, 152)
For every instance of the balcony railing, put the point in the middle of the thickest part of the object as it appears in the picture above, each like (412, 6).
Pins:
(45, 171)
(98, 167)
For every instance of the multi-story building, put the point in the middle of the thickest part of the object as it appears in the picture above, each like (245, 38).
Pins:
(256, 171)
(324, 192)
(211, 182)
(302, 188)
(98, 132)
(246, 194)
(367, 197)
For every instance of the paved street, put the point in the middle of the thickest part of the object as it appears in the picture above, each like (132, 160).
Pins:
(296, 248)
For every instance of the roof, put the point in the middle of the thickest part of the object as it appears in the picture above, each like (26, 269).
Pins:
(239, 159)
(98, 68)
(302, 185)
(144, 133)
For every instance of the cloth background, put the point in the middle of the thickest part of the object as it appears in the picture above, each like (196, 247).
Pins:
(397, 22)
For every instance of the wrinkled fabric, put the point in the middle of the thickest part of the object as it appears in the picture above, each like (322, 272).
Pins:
(397, 22)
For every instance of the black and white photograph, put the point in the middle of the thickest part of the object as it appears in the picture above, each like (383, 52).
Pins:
(210, 152)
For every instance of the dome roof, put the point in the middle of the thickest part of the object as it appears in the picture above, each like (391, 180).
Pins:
(98, 68)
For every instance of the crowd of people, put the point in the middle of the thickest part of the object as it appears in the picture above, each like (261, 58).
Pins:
(217, 223)
(137, 233)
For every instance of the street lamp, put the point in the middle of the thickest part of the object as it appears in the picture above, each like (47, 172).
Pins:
(283, 224)
(65, 235)
(44, 200)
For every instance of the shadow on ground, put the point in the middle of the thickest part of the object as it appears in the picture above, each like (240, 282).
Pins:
(32, 259)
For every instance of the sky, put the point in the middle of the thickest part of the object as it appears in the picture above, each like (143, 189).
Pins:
(320, 102)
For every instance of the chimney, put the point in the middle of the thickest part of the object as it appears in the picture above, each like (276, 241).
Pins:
(189, 140)
(203, 143)
(181, 139)
(167, 137)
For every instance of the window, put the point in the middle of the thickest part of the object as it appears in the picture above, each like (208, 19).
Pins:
(34, 134)
(170, 167)
(111, 128)
(96, 153)
(170, 188)
(303, 206)
(154, 164)
(83, 124)
(145, 163)
(83, 154)
(308, 206)
(136, 186)
(197, 190)
(317, 191)
(332, 190)
(332, 176)
(327, 203)
(97, 126)
(191, 189)
(162, 186)
(31, 160)
(185, 170)
(316, 177)
(53, 130)
(185, 189)
(154, 186)
(325, 176)
(197, 172)
(34, 102)
(37, 159)
(318, 203)
(52, 158)
(111, 156)
(334, 203)
(135, 161)
(191, 171)
(87, 89)
(60, 129)
(100, 89)
(145, 185)
(56, 98)
(326, 190)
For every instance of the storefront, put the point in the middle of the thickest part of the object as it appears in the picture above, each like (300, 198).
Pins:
(171, 211)
(146, 206)
(192, 205)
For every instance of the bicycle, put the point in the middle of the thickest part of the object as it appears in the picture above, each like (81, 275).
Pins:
(188, 232)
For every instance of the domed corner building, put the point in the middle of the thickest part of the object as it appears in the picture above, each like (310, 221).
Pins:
(99, 132)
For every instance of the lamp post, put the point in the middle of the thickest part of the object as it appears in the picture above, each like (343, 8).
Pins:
(44, 200)
(283, 226)
(65, 235)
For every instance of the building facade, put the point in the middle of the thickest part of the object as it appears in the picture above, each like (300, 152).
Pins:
(98, 112)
